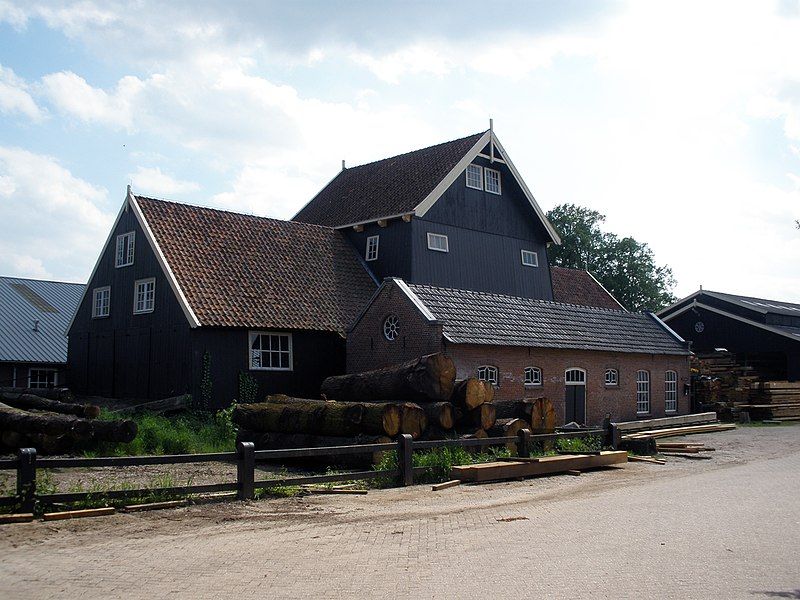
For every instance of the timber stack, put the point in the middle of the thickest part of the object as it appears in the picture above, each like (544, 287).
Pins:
(50, 421)
(774, 400)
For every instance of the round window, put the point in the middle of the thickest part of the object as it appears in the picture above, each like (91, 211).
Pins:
(699, 327)
(391, 327)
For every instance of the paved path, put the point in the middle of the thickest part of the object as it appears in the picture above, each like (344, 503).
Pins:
(725, 531)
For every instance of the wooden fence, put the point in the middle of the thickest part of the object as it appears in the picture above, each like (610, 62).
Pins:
(246, 456)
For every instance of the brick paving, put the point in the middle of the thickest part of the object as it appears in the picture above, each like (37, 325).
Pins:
(724, 528)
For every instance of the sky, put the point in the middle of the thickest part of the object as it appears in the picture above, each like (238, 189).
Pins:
(679, 121)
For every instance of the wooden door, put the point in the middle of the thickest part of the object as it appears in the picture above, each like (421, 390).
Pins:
(575, 396)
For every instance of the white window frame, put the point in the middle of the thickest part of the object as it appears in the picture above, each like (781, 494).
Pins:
(486, 177)
(44, 370)
(570, 379)
(642, 392)
(611, 378)
(145, 308)
(530, 253)
(371, 251)
(479, 175)
(125, 252)
(271, 334)
(489, 373)
(97, 312)
(671, 391)
(533, 377)
(438, 236)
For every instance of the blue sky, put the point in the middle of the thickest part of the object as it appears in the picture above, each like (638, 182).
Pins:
(679, 121)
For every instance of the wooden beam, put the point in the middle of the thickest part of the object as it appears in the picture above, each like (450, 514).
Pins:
(77, 514)
(646, 459)
(544, 466)
(17, 518)
(358, 228)
(447, 484)
(383, 222)
(407, 218)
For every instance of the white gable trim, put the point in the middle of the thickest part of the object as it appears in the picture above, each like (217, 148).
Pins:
(606, 291)
(162, 261)
(424, 206)
(666, 327)
(415, 300)
(678, 303)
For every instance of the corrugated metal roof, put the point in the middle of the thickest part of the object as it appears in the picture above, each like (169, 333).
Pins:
(479, 318)
(760, 305)
(30, 304)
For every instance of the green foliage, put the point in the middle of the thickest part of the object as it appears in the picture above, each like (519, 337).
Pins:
(206, 384)
(438, 462)
(591, 443)
(248, 388)
(189, 433)
(624, 266)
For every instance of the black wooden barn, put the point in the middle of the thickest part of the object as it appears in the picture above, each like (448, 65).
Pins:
(761, 333)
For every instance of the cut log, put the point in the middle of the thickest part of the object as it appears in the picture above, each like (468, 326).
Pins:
(488, 390)
(507, 427)
(122, 431)
(279, 441)
(517, 409)
(543, 466)
(426, 379)
(15, 419)
(482, 417)
(469, 393)
(412, 419)
(440, 414)
(60, 394)
(319, 417)
(543, 416)
(32, 402)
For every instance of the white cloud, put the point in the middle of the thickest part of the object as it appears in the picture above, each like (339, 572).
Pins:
(151, 180)
(15, 96)
(53, 222)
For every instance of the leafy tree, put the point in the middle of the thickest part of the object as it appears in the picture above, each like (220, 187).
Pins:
(625, 267)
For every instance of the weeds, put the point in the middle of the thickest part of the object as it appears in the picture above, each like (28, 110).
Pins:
(438, 463)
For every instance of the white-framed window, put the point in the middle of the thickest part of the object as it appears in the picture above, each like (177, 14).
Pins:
(575, 376)
(125, 247)
(612, 377)
(270, 351)
(42, 378)
(371, 252)
(144, 295)
(492, 178)
(530, 258)
(642, 392)
(101, 302)
(533, 376)
(438, 242)
(488, 373)
(391, 327)
(670, 391)
(475, 177)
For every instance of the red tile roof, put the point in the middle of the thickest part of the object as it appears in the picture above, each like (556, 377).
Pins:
(245, 271)
(576, 286)
(385, 188)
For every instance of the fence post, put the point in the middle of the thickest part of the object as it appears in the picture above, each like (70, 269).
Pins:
(523, 442)
(405, 448)
(609, 436)
(245, 470)
(26, 478)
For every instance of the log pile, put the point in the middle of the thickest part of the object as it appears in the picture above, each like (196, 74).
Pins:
(49, 421)
(773, 400)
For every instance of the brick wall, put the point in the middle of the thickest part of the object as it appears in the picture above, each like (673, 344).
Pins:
(368, 348)
(619, 401)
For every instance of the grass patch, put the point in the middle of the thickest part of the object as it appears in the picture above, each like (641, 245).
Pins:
(438, 462)
(188, 433)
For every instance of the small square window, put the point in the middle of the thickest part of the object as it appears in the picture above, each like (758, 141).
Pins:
(530, 258)
(270, 351)
(492, 181)
(144, 296)
(101, 305)
(372, 247)
(611, 377)
(125, 249)
(488, 373)
(533, 376)
(475, 177)
(438, 242)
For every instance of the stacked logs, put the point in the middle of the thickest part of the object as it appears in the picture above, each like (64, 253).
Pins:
(50, 421)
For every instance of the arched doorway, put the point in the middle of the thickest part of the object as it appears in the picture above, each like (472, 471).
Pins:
(575, 395)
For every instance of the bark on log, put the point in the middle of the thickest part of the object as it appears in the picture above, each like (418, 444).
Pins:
(278, 441)
(412, 419)
(517, 409)
(469, 393)
(114, 431)
(426, 379)
(543, 416)
(60, 394)
(319, 417)
(440, 414)
(507, 427)
(14, 419)
(482, 417)
(30, 401)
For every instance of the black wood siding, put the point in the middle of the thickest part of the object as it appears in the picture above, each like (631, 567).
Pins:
(394, 249)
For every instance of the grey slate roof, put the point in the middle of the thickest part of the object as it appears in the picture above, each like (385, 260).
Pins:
(759, 305)
(384, 188)
(24, 301)
(492, 319)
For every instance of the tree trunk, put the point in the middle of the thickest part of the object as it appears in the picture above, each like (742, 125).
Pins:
(30, 401)
(14, 419)
(440, 414)
(60, 394)
(317, 417)
(426, 379)
(543, 416)
(469, 393)
(482, 417)
(488, 390)
(505, 428)
(278, 441)
(114, 431)
(412, 419)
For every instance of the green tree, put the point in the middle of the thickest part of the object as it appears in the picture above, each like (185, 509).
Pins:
(626, 267)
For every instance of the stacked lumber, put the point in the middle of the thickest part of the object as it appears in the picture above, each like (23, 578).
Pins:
(773, 400)
(682, 448)
(50, 423)
(678, 431)
(534, 467)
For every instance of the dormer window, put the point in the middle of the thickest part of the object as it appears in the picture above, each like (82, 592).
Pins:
(492, 181)
(475, 177)
(438, 242)
(530, 258)
(372, 247)
(125, 245)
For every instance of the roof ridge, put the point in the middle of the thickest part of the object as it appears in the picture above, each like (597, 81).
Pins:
(5, 277)
(740, 296)
(461, 139)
